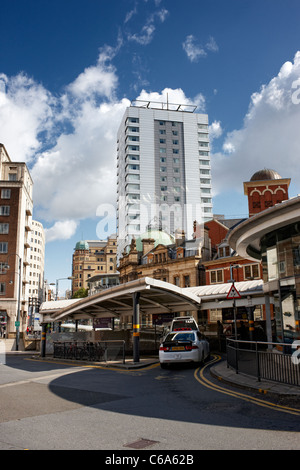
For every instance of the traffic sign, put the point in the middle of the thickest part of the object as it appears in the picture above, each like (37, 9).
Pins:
(233, 293)
(17, 324)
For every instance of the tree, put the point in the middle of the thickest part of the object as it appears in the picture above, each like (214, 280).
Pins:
(80, 293)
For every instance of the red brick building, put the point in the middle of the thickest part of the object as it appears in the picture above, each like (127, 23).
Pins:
(265, 189)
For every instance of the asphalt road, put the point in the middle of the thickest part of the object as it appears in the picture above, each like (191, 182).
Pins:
(50, 406)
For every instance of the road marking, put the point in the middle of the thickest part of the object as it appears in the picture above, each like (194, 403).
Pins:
(207, 383)
(36, 379)
(93, 366)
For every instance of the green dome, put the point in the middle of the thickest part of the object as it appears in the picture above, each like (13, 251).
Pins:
(82, 245)
(160, 237)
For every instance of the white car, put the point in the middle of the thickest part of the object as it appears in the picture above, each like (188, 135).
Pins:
(183, 346)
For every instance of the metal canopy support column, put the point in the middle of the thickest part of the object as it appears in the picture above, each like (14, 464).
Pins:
(43, 340)
(268, 319)
(136, 326)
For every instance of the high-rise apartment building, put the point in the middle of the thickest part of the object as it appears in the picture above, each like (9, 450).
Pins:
(15, 242)
(163, 170)
(37, 259)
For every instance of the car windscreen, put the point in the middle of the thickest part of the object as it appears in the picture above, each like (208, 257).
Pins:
(184, 324)
(180, 337)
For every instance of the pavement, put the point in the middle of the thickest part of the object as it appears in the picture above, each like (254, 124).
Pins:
(220, 371)
(229, 376)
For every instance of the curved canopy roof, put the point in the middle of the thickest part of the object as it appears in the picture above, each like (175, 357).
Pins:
(156, 297)
(245, 239)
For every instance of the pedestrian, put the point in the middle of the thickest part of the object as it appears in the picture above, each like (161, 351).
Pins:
(243, 331)
(220, 329)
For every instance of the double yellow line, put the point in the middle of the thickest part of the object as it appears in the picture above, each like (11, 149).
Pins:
(199, 376)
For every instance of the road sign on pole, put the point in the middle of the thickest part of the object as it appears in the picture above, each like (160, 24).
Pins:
(233, 293)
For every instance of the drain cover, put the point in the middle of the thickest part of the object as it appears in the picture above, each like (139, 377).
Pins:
(141, 444)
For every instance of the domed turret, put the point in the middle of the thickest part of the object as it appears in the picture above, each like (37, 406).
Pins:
(265, 189)
(265, 174)
(159, 236)
(82, 245)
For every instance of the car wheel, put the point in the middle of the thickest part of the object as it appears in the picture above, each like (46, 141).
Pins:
(163, 365)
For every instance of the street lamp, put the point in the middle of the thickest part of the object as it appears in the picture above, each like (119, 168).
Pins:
(60, 279)
(46, 292)
(232, 280)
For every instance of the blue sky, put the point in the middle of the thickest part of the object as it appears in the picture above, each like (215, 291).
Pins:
(69, 68)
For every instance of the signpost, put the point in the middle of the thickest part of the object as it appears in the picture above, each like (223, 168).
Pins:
(234, 294)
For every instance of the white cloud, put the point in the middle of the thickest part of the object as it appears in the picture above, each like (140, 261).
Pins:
(195, 51)
(269, 137)
(211, 45)
(215, 130)
(26, 109)
(78, 174)
(173, 96)
(147, 32)
(61, 230)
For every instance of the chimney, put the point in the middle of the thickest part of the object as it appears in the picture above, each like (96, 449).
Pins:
(148, 245)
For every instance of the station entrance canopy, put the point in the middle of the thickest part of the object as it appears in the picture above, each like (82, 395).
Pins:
(155, 297)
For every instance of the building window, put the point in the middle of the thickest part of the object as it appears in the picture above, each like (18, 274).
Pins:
(133, 167)
(216, 276)
(251, 271)
(4, 228)
(4, 210)
(3, 247)
(2, 288)
(5, 193)
(134, 157)
(224, 251)
(133, 187)
(132, 177)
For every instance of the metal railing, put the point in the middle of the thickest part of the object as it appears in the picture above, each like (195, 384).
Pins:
(264, 360)
(100, 351)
